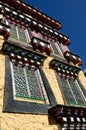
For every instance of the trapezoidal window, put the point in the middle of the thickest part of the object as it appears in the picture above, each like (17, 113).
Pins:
(56, 49)
(28, 85)
(72, 91)
(26, 90)
(19, 33)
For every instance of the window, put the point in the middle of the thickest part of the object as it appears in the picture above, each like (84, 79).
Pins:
(26, 90)
(28, 84)
(72, 91)
(19, 33)
(56, 49)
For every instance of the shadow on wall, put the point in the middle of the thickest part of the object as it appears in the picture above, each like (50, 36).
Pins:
(53, 122)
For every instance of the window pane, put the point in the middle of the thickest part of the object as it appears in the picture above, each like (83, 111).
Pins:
(13, 31)
(55, 49)
(71, 91)
(67, 93)
(28, 84)
(76, 92)
(24, 103)
(34, 86)
(21, 35)
(20, 82)
(82, 87)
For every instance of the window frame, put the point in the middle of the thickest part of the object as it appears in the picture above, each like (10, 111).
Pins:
(28, 87)
(79, 86)
(58, 48)
(15, 106)
(26, 32)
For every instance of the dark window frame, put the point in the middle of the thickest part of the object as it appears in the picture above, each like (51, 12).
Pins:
(56, 49)
(18, 32)
(62, 91)
(15, 106)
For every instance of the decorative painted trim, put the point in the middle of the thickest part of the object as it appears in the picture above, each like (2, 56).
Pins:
(69, 117)
(29, 22)
(41, 45)
(72, 91)
(73, 57)
(22, 56)
(4, 30)
(25, 8)
(64, 69)
(63, 39)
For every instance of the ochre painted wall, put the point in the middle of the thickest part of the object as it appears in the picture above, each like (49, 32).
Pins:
(82, 78)
(50, 74)
(14, 121)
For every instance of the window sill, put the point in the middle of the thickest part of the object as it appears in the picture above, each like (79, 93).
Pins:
(58, 56)
(19, 43)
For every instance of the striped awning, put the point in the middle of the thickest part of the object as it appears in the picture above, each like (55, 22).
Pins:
(23, 57)
(73, 57)
(69, 117)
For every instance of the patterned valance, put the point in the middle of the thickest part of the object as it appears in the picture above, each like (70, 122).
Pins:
(23, 7)
(69, 117)
(41, 45)
(23, 57)
(73, 57)
(64, 69)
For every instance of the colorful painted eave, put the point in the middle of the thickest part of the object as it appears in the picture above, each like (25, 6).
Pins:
(28, 22)
(56, 62)
(26, 8)
(4, 30)
(73, 57)
(64, 69)
(23, 57)
(69, 117)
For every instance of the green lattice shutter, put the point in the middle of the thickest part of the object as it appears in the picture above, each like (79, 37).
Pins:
(71, 91)
(13, 32)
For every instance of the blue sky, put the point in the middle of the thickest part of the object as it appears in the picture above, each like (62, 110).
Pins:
(72, 15)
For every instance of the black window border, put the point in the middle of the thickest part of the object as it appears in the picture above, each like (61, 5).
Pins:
(14, 106)
(60, 84)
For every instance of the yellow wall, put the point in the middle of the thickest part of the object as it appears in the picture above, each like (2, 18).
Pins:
(82, 79)
(13, 121)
